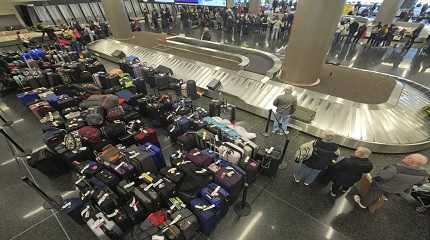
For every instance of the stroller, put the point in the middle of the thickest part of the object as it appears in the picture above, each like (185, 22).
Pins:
(422, 195)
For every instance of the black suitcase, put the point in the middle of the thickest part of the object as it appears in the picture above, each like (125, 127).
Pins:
(108, 178)
(125, 189)
(46, 162)
(215, 108)
(106, 200)
(187, 223)
(165, 189)
(269, 161)
(148, 197)
(140, 85)
(120, 217)
(136, 210)
(187, 141)
(173, 174)
(192, 89)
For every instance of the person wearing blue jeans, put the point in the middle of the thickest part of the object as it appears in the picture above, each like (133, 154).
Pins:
(324, 152)
(286, 105)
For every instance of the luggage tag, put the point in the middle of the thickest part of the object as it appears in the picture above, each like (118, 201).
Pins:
(86, 212)
(134, 154)
(157, 237)
(98, 223)
(158, 183)
(67, 205)
(173, 129)
(146, 176)
(172, 170)
(102, 199)
(120, 165)
(196, 153)
(148, 187)
(85, 168)
(86, 194)
(183, 163)
(134, 204)
(113, 214)
(270, 150)
(246, 160)
(80, 180)
(201, 171)
(177, 218)
(215, 192)
(129, 185)
(144, 131)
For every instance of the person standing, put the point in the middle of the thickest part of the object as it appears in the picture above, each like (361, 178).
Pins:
(375, 30)
(361, 33)
(347, 171)
(353, 27)
(395, 179)
(324, 152)
(286, 105)
(276, 23)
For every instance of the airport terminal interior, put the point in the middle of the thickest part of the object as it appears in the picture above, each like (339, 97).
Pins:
(214, 119)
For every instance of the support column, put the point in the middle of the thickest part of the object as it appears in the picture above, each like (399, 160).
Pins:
(388, 11)
(254, 7)
(230, 4)
(311, 36)
(117, 19)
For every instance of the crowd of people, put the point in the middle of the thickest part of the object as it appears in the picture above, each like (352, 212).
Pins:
(321, 159)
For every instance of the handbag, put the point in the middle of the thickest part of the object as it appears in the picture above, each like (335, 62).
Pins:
(304, 152)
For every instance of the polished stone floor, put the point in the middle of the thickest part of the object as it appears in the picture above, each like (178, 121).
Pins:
(281, 209)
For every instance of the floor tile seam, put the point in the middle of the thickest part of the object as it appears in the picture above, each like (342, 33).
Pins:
(51, 210)
(305, 213)
(32, 226)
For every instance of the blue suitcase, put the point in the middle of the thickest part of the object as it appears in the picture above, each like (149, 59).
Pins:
(159, 158)
(216, 195)
(183, 123)
(207, 214)
(210, 153)
(53, 99)
(27, 98)
(73, 207)
(125, 94)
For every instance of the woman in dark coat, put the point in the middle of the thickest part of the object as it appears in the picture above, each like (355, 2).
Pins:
(347, 171)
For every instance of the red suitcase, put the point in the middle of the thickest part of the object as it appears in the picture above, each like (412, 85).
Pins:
(148, 135)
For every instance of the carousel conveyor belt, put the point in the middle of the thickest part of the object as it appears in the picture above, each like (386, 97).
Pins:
(398, 125)
(260, 62)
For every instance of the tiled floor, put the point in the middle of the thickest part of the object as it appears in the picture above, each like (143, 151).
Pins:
(280, 208)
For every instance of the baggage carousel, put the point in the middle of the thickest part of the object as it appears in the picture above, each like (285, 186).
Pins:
(395, 126)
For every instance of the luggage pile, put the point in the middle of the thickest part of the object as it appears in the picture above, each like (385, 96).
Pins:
(39, 68)
(127, 189)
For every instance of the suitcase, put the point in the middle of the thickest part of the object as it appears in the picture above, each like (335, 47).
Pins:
(103, 228)
(187, 222)
(148, 135)
(140, 85)
(231, 152)
(215, 108)
(148, 197)
(52, 137)
(187, 141)
(47, 163)
(195, 179)
(127, 140)
(251, 167)
(249, 147)
(87, 168)
(135, 210)
(217, 196)
(120, 217)
(199, 159)
(148, 178)
(72, 207)
(142, 160)
(106, 200)
(159, 158)
(231, 180)
(173, 174)
(304, 114)
(269, 160)
(115, 113)
(108, 178)
(124, 170)
(165, 188)
(113, 131)
(90, 134)
(192, 89)
(125, 189)
(41, 109)
(207, 214)
(130, 116)
(205, 138)
(214, 85)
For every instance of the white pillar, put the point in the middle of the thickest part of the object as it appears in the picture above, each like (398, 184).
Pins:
(311, 35)
(230, 3)
(117, 19)
(388, 11)
(254, 7)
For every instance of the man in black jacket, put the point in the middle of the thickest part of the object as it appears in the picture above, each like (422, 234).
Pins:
(347, 171)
